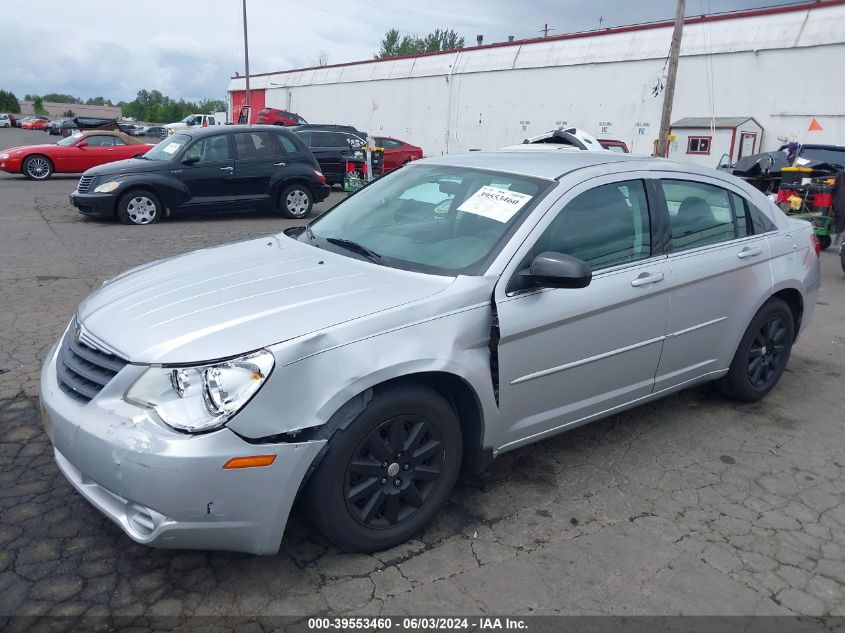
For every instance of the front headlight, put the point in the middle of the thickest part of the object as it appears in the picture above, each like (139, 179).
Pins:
(107, 187)
(4, 156)
(202, 398)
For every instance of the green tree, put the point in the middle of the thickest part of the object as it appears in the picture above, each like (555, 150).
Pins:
(55, 97)
(9, 102)
(38, 105)
(98, 101)
(393, 43)
(207, 106)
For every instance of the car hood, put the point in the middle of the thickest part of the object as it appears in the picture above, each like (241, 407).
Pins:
(27, 148)
(228, 300)
(129, 166)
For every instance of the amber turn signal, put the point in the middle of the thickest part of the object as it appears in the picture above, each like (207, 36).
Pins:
(254, 461)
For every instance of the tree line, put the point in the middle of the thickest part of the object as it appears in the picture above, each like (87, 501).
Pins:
(148, 105)
(394, 43)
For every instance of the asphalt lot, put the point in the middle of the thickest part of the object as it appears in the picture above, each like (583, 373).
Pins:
(693, 505)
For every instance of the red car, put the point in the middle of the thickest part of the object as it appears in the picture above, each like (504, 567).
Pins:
(71, 155)
(272, 116)
(36, 123)
(397, 153)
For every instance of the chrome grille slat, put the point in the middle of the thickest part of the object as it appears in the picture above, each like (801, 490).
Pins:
(84, 184)
(83, 371)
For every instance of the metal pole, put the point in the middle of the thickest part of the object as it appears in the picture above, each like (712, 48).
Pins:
(246, 57)
(669, 95)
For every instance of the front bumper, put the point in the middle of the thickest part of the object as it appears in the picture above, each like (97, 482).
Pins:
(99, 205)
(169, 489)
(11, 165)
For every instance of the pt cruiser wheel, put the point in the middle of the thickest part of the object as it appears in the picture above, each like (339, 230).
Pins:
(37, 168)
(763, 353)
(388, 473)
(139, 207)
(296, 201)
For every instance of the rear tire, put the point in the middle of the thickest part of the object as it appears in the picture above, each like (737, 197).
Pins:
(139, 207)
(296, 201)
(37, 167)
(763, 352)
(387, 474)
(825, 241)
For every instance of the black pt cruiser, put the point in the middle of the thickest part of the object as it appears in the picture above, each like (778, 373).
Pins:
(237, 167)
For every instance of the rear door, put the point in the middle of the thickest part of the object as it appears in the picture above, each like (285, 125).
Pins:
(568, 354)
(330, 150)
(720, 271)
(258, 156)
(209, 180)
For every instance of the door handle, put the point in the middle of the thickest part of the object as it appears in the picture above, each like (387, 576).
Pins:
(747, 252)
(279, 164)
(645, 279)
(226, 168)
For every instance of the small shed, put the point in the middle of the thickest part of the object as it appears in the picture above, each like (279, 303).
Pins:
(707, 140)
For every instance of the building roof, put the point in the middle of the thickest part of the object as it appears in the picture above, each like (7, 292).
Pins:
(571, 48)
(717, 122)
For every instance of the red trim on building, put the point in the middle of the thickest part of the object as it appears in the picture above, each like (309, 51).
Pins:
(733, 141)
(716, 17)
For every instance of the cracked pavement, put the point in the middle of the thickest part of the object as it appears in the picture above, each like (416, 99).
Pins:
(694, 504)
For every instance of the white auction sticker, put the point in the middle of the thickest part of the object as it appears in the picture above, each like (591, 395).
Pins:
(172, 148)
(494, 203)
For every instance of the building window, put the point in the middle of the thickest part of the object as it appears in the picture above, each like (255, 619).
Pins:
(698, 145)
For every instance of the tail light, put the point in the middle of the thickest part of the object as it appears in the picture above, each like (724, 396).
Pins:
(319, 176)
(817, 246)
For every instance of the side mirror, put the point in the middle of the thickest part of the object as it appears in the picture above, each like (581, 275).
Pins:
(190, 160)
(556, 270)
(82, 143)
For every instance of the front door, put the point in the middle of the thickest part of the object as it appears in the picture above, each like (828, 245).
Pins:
(99, 150)
(206, 170)
(567, 355)
(747, 144)
(720, 268)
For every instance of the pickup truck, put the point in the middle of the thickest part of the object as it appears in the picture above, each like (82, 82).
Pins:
(192, 121)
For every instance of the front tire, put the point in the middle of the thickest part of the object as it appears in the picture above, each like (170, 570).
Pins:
(762, 354)
(37, 167)
(296, 201)
(388, 472)
(139, 207)
(825, 241)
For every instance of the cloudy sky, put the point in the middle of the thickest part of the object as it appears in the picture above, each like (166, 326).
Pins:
(190, 48)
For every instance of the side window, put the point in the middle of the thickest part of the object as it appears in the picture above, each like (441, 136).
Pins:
(698, 145)
(255, 145)
(210, 149)
(321, 139)
(740, 210)
(211, 121)
(605, 226)
(306, 137)
(117, 140)
(287, 145)
(700, 214)
(353, 141)
(100, 141)
(388, 143)
(759, 220)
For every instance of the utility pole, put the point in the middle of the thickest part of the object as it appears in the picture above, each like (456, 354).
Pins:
(669, 95)
(545, 30)
(246, 58)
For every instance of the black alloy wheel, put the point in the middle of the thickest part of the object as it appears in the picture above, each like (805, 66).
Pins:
(394, 472)
(768, 352)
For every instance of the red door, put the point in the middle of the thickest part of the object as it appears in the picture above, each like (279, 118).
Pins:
(256, 102)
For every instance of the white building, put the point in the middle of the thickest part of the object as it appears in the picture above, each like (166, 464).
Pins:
(709, 141)
(782, 66)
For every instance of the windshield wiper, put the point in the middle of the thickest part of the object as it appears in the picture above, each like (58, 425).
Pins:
(355, 247)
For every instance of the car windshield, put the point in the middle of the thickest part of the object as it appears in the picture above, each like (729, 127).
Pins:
(429, 218)
(168, 147)
(70, 140)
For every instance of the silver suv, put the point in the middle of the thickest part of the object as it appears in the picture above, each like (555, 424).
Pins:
(454, 310)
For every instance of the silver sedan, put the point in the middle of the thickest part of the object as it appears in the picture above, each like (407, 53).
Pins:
(456, 309)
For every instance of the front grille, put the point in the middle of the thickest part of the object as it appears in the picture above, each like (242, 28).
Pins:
(84, 184)
(82, 370)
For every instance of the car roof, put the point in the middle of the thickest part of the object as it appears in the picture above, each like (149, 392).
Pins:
(552, 164)
(219, 129)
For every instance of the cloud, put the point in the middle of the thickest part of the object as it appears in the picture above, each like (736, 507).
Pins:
(190, 49)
